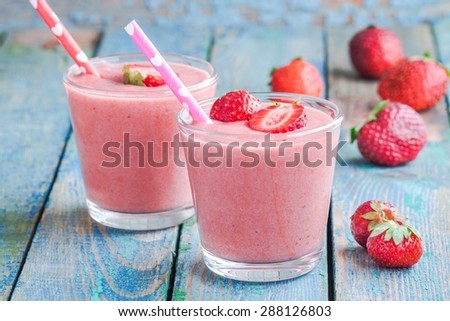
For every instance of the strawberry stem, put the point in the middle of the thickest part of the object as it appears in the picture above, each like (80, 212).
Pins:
(354, 131)
(426, 54)
(378, 107)
(272, 71)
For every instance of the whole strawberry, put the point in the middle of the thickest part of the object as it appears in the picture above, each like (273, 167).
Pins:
(235, 105)
(393, 245)
(299, 76)
(418, 82)
(368, 215)
(394, 134)
(375, 50)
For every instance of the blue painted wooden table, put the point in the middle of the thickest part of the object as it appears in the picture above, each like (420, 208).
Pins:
(51, 250)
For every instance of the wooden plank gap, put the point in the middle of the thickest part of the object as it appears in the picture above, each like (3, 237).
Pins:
(326, 72)
(3, 36)
(438, 34)
(173, 271)
(330, 256)
(210, 47)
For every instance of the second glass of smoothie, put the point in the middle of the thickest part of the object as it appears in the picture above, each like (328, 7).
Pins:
(125, 139)
(262, 200)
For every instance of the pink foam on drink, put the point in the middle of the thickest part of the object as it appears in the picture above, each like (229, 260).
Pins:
(262, 214)
(148, 115)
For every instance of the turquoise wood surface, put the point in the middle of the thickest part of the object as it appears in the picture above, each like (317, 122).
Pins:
(69, 257)
(420, 189)
(72, 257)
(244, 59)
(34, 126)
(193, 41)
(442, 36)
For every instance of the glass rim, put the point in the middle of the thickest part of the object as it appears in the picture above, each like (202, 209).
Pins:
(337, 118)
(212, 79)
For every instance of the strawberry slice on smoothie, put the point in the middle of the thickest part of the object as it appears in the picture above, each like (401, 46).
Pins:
(141, 75)
(279, 118)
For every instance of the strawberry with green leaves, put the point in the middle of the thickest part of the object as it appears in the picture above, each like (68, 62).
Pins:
(141, 75)
(419, 82)
(368, 215)
(394, 134)
(395, 246)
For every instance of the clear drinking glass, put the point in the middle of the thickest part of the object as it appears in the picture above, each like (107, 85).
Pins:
(124, 133)
(262, 200)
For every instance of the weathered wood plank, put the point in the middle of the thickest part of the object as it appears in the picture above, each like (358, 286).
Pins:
(244, 58)
(420, 189)
(73, 258)
(2, 37)
(34, 126)
(442, 36)
(193, 41)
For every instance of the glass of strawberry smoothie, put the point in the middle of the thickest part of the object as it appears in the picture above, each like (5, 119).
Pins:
(124, 134)
(261, 199)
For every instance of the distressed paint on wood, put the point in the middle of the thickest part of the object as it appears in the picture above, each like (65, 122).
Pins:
(442, 37)
(420, 189)
(244, 59)
(34, 126)
(73, 258)
(171, 39)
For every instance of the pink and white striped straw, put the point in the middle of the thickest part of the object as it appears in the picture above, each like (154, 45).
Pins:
(169, 76)
(63, 36)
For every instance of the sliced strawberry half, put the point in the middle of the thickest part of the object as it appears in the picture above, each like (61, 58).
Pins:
(141, 75)
(279, 118)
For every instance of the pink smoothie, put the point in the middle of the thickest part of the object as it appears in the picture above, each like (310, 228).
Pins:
(263, 214)
(105, 109)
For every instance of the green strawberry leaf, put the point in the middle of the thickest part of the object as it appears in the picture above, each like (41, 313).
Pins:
(354, 133)
(376, 206)
(406, 232)
(378, 107)
(446, 70)
(397, 235)
(372, 225)
(426, 54)
(413, 231)
(272, 71)
(132, 76)
(381, 228)
(370, 216)
(388, 234)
